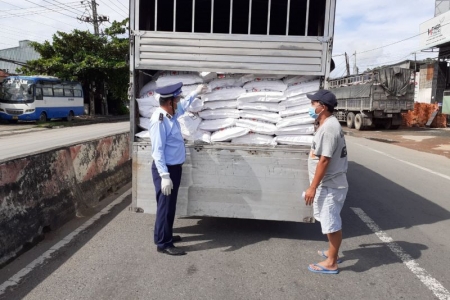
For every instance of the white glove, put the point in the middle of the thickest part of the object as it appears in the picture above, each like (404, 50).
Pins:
(201, 89)
(166, 184)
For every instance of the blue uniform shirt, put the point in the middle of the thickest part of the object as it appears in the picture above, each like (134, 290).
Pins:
(167, 142)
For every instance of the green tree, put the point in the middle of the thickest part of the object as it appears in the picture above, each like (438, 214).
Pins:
(87, 58)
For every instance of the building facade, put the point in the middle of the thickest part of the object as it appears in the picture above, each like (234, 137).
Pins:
(13, 58)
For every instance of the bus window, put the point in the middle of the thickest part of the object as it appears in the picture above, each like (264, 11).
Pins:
(47, 91)
(58, 92)
(68, 92)
(77, 93)
(39, 95)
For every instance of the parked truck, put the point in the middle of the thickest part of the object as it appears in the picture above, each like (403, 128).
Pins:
(374, 99)
(274, 37)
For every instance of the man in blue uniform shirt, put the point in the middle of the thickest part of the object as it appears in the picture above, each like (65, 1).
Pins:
(169, 154)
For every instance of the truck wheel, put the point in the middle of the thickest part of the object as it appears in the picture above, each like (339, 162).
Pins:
(388, 124)
(351, 120)
(359, 122)
(395, 127)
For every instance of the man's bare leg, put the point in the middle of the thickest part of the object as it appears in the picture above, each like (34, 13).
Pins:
(334, 240)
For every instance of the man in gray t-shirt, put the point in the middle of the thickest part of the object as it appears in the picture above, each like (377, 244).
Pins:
(327, 166)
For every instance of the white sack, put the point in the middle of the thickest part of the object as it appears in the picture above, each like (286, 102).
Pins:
(257, 126)
(200, 136)
(215, 125)
(144, 123)
(296, 130)
(297, 101)
(295, 110)
(228, 134)
(208, 76)
(290, 80)
(149, 87)
(147, 106)
(302, 88)
(297, 140)
(173, 77)
(221, 113)
(266, 96)
(295, 120)
(273, 107)
(189, 124)
(254, 139)
(227, 80)
(266, 84)
(143, 134)
(220, 104)
(265, 116)
(150, 100)
(196, 105)
(224, 93)
(188, 89)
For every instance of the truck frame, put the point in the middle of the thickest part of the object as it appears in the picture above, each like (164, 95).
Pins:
(222, 179)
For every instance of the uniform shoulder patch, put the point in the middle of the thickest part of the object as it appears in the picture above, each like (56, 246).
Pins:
(161, 117)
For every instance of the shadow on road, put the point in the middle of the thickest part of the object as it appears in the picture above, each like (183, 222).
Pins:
(369, 256)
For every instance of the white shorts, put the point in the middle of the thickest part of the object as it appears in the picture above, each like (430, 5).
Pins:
(327, 206)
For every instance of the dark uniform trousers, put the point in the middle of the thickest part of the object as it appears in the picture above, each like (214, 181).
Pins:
(166, 206)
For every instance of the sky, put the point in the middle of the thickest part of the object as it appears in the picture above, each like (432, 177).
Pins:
(361, 25)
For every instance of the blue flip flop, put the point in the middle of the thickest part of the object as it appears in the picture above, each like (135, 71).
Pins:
(323, 270)
(322, 253)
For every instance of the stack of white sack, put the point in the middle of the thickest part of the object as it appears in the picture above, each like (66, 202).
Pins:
(219, 111)
(269, 84)
(296, 122)
(149, 99)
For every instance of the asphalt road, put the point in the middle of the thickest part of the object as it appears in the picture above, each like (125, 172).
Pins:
(400, 193)
(21, 144)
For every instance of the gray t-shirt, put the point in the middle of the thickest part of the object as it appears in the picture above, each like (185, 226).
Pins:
(329, 141)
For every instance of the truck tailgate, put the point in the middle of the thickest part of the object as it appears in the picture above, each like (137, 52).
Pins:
(231, 181)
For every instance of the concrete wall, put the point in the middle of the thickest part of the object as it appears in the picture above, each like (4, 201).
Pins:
(46, 190)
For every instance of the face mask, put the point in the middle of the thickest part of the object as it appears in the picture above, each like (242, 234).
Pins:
(312, 113)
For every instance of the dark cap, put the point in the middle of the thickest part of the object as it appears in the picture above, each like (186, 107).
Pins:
(169, 91)
(324, 96)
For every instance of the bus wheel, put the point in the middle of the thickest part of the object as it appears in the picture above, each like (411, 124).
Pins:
(69, 118)
(43, 117)
(13, 121)
(351, 120)
(359, 122)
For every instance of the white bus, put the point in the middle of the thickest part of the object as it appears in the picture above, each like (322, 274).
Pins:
(39, 98)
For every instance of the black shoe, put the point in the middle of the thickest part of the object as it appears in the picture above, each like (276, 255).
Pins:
(171, 251)
(176, 239)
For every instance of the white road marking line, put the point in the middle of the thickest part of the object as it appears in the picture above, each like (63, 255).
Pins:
(406, 162)
(15, 279)
(431, 283)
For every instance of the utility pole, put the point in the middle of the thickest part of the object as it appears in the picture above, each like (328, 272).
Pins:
(355, 68)
(347, 64)
(94, 19)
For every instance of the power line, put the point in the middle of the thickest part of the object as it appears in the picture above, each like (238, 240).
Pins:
(5, 10)
(35, 20)
(122, 5)
(414, 36)
(111, 8)
(36, 12)
(53, 10)
(62, 5)
(120, 9)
